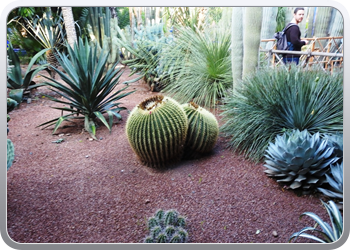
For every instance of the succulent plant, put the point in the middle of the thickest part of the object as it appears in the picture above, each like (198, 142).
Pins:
(299, 160)
(335, 181)
(10, 153)
(166, 227)
(203, 130)
(156, 130)
(329, 234)
(336, 141)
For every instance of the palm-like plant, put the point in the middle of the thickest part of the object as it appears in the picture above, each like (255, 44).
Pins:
(269, 102)
(201, 66)
(17, 83)
(90, 92)
(329, 234)
(49, 32)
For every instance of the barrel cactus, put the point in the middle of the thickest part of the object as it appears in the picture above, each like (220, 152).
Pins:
(166, 227)
(299, 160)
(203, 130)
(156, 130)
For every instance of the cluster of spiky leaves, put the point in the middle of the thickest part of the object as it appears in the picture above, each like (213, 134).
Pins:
(265, 104)
(88, 90)
(299, 160)
(166, 227)
(329, 234)
(335, 181)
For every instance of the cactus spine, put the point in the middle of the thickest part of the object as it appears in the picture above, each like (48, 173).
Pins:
(167, 227)
(156, 130)
(203, 130)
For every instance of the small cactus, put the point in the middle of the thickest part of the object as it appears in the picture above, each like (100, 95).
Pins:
(156, 130)
(169, 228)
(203, 130)
(10, 153)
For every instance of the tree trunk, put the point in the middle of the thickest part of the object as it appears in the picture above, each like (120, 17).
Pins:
(69, 24)
(237, 44)
(251, 39)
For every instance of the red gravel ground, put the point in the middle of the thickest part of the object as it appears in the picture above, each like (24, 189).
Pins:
(86, 191)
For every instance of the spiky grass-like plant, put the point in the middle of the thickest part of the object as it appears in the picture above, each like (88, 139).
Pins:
(87, 89)
(201, 66)
(272, 101)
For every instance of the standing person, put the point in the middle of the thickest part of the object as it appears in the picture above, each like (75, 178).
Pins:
(293, 37)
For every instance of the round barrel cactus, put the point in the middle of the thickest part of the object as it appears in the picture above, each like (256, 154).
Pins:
(203, 130)
(156, 130)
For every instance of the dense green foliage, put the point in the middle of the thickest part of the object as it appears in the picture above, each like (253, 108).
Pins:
(199, 66)
(88, 90)
(271, 101)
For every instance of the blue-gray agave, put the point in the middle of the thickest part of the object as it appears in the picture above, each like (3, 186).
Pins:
(336, 141)
(299, 160)
(335, 181)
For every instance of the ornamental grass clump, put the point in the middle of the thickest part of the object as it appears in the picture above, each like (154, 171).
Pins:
(166, 227)
(266, 104)
(89, 90)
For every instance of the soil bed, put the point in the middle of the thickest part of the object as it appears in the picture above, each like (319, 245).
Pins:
(82, 190)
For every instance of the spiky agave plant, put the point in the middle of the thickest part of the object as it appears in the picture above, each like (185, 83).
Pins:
(299, 160)
(335, 181)
(156, 130)
(329, 234)
(166, 227)
(203, 130)
(88, 90)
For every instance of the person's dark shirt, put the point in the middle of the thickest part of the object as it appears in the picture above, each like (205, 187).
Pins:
(293, 35)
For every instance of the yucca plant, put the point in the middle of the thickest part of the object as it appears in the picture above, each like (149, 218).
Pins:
(201, 69)
(271, 101)
(17, 83)
(299, 160)
(88, 91)
(327, 233)
(49, 31)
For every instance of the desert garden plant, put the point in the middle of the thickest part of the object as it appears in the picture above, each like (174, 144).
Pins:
(166, 227)
(203, 73)
(87, 89)
(156, 130)
(203, 130)
(335, 180)
(299, 160)
(272, 101)
(17, 83)
(327, 234)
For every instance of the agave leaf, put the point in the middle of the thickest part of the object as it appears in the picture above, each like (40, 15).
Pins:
(90, 127)
(288, 179)
(299, 152)
(295, 185)
(17, 95)
(312, 180)
(330, 193)
(303, 171)
(101, 117)
(336, 219)
(308, 236)
(58, 123)
(324, 225)
(300, 178)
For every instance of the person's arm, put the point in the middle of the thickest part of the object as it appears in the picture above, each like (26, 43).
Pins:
(294, 37)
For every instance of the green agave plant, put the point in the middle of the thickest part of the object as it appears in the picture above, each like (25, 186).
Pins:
(88, 90)
(17, 83)
(166, 227)
(327, 233)
(299, 160)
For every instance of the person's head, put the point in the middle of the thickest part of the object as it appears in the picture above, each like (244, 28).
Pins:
(299, 14)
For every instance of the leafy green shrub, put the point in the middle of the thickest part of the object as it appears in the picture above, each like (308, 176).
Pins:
(329, 234)
(88, 90)
(199, 66)
(272, 101)
(166, 227)
(17, 83)
(299, 160)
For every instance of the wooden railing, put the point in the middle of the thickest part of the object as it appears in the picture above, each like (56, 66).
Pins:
(326, 52)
